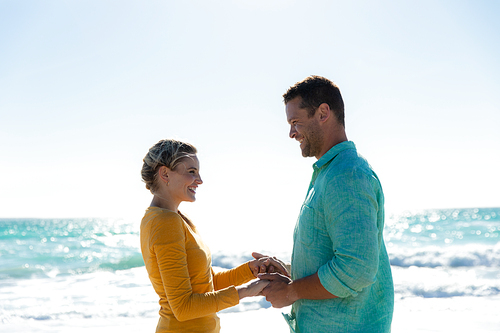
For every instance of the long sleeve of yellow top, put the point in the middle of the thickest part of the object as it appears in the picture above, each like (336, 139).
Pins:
(179, 265)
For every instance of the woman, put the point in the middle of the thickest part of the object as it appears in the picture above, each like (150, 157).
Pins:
(177, 260)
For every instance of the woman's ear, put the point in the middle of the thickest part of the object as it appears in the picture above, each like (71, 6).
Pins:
(163, 173)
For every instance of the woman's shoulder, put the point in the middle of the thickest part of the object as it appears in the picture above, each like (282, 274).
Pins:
(158, 217)
(161, 226)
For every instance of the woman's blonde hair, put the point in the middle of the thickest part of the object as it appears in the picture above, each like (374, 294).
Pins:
(166, 153)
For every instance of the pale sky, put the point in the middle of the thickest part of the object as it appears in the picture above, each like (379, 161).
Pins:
(86, 87)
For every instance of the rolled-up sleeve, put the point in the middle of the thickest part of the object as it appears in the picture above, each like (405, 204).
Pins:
(350, 211)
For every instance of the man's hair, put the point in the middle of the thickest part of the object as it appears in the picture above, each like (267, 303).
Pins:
(314, 91)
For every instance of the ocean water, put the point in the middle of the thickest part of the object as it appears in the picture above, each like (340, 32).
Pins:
(60, 270)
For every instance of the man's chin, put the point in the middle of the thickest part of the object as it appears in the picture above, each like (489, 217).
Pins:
(306, 152)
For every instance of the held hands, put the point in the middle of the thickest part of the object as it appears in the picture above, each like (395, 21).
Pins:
(261, 264)
(279, 292)
(267, 264)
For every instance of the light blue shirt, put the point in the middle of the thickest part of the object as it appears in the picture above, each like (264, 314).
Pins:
(339, 234)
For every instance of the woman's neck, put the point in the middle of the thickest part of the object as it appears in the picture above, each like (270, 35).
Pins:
(164, 203)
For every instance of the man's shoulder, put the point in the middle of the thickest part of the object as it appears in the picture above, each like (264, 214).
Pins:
(347, 169)
(347, 161)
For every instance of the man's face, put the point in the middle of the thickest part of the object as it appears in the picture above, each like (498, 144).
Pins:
(304, 129)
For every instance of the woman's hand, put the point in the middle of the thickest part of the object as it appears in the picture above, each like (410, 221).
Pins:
(251, 289)
(267, 264)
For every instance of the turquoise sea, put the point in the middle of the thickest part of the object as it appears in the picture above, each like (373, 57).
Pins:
(78, 269)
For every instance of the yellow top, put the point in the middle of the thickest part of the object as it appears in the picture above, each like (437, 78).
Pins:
(179, 265)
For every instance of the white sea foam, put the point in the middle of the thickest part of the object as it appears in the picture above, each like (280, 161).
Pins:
(445, 282)
(103, 294)
(469, 255)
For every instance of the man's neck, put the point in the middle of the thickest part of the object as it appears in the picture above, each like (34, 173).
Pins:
(334, 139)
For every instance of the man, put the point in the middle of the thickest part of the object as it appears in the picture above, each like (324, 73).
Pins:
(341, 278)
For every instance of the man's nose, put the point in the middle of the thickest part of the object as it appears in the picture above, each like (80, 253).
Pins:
(292, 133)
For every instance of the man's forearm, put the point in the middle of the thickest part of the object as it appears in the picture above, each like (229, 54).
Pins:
(309, 287)
(282, 291)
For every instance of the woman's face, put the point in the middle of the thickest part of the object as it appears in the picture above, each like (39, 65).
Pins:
(184, 179)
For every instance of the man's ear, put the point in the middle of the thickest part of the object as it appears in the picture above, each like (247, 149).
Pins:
(324, 112)
(163, 173)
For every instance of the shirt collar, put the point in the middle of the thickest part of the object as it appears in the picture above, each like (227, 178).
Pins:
(334, 151)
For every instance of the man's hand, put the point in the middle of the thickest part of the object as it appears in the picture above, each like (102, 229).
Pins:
(279, 292)
(267, 264)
